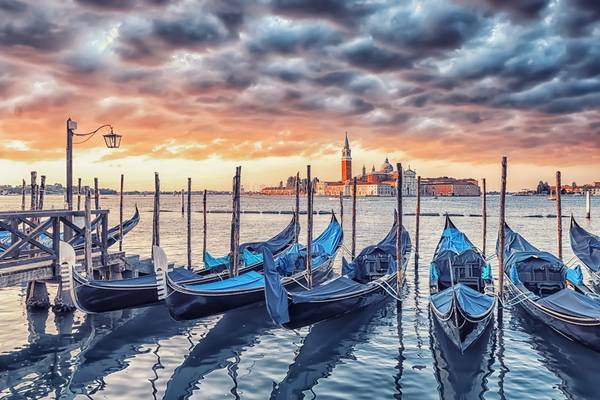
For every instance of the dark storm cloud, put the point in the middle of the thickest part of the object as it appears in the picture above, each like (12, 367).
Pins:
(477, 70)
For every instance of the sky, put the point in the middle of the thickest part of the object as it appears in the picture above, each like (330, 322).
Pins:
(198, 87)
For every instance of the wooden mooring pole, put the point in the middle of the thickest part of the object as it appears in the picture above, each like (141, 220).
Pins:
(156, 214)
(353, 218)
(483, 217)
(204, 224)
(501, 232)
(23, 190)
(235, 224)
(37, 293)
(588, 204)
(96, 194)
(189, 223)
(309, 226)
(89, 264)
(558, 216)
(342, 210)
(417, 216)
(121, 213)
(182, 201)
(399, 276)
(78, 194)
(42, 193)
(297, 208)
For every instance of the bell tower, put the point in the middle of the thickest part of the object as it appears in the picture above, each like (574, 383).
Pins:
(346, 161)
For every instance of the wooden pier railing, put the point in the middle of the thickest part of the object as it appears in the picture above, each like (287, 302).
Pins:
(29, 242)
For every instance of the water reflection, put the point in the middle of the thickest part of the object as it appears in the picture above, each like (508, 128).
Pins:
(44, 364)
(117, 337)
(462, 376)
(326, 344)
(226, 340)
(575, 365)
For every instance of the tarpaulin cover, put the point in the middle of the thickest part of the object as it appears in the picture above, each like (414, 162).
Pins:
(275, 294)
(526, 258)
(471, 302)
(567, 301)
(335, 287)
(586, 246)
(575, 276)
(250, 252)
(249, 280)
(454, 248)
(356, 269)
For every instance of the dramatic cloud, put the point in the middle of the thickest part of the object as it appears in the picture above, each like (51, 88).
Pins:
(462, 80)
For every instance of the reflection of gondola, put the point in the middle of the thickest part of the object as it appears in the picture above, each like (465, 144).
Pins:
(368, 279)
(461, 375)
(190, 301)
(586, 247)
(326, 344)
(462, 291)
(544, 287)
(95, 296)
(110, 353)
(235, 331)
(577, 369)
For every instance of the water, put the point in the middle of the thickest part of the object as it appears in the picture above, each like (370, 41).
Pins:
(380, 353)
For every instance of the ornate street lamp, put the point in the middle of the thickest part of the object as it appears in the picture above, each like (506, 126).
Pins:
(112, 141)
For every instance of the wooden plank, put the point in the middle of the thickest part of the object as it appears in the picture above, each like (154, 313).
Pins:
(417, 222)
(309, 226)
(353, 249)
(121, 213)
(204, 224)
(558, 216)
(25, 239)
(88, 235)
(399, 276)
(501, 232)
(189, 223)
(47, 213)
(483, 217)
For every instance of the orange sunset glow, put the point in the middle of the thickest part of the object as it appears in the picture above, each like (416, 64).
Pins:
(197, 87)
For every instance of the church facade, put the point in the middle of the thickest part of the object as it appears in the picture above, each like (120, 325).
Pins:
(376, 182)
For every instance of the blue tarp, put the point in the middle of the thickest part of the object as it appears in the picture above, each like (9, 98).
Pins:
(575, 276)
(335, 287)
(570, 302)
(471, 302)
(586, 246)
(275, 294)
(249, 280)
(454, 240)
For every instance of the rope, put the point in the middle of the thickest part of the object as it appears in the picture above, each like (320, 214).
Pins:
(389, 291)
(295, 280)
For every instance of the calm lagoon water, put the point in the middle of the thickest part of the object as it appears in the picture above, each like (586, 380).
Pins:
(385, 352)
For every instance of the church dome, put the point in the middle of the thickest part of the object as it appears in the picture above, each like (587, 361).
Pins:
(386, 166)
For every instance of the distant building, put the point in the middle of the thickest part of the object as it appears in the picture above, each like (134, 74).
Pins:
(446, 186)
(380, 182)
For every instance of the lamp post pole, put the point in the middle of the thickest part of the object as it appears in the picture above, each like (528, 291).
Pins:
(70, 126)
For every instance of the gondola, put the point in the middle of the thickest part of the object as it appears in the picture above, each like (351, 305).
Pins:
(94, 296)
(547, 290)
(586, 247)
(368, 279)
(462, 290)
(113, 234)
(190, 301)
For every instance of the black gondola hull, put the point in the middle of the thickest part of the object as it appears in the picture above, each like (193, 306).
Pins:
(588, 335)
(193, 305)
(461, 331)
(95, 299)
(303, 314)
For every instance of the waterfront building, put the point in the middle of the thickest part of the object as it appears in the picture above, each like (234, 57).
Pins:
(446, 186)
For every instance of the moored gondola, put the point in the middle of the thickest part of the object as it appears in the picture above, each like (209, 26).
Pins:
(547, 290)
(93, 296)
(191, 301)
(586, 247)
(368, 279)
(462, 290)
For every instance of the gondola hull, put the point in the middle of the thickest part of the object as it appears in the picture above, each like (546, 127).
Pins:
(461, 331)
(95, 299)
(587, 334)
(303, 314)
(186, 305)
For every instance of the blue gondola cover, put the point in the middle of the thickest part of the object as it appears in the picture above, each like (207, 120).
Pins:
(335, 287)
(575, 276)
(470, 301)
(568, 301)
(275, 294)
(586, 246)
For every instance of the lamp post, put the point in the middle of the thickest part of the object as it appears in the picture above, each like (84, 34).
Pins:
(112, 141)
